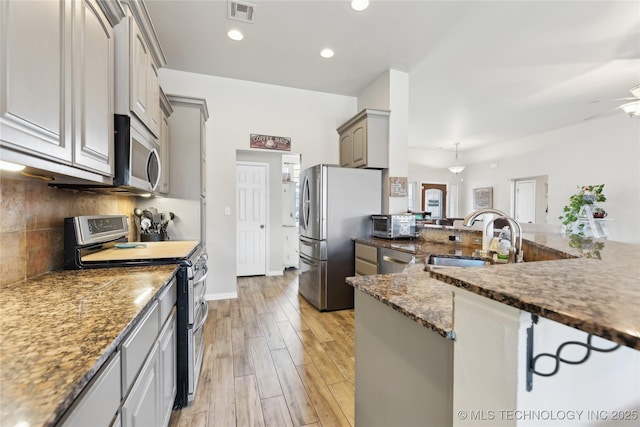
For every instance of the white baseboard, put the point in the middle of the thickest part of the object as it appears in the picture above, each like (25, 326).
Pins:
(224, 295)
(275, 273)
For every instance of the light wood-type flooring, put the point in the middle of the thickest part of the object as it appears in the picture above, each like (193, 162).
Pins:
(271, 359)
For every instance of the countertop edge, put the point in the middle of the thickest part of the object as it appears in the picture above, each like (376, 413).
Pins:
(448, 334)
(587, 326)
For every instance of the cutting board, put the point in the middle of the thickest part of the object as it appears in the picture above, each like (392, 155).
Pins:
(154, 250)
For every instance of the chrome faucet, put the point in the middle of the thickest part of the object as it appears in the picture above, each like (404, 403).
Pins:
(515, 230)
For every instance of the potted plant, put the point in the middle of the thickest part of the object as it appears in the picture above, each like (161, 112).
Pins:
(598, 212)
(586, 195)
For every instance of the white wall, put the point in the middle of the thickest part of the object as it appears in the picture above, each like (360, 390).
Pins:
(237, 109)
(605, 151)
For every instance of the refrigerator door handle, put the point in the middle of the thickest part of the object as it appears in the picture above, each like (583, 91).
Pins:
(305, 203)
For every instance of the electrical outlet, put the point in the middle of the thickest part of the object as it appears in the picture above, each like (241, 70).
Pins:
(477, 240)
(454, 238)
(227, 211)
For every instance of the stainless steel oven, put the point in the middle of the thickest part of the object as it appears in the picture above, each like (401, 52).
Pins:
(195, 313)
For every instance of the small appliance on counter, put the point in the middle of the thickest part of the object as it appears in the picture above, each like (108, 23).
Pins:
(394, 226)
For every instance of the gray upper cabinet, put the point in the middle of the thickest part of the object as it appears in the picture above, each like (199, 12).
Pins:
(137, 63)
(187, 125)
(188, 158)
(165, 164)
(93, 81)
(364, 140)
(56, 100)
(36, 65)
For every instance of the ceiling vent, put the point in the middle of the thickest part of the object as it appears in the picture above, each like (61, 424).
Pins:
(242, 12)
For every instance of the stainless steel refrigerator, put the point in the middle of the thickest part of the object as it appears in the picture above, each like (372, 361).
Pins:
(335, 207)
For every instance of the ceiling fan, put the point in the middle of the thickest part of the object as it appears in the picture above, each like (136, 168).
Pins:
(631, 108)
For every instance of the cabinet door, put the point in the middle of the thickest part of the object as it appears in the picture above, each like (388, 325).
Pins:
(93, 88)
(359, 144)
(186, 159)
(140, 63)
(142, 407)
(35, 61)
(203, 221)
(289, 204)
(345, 149)
(99, 402)
(168, 382)
(153, 102)
(203, 158)
(164, 154)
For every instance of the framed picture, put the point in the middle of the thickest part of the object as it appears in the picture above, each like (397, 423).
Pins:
(397, 186)
(270, 142)
(483, 197)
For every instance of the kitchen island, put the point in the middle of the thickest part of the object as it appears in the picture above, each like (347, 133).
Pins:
(487, 311)
(58, 329)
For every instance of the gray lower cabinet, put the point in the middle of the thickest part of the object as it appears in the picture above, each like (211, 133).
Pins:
(69, 129)
(137, 386)
(150, 401)
(142, 406)
(366, 260)
(99, 402)
(168, 379)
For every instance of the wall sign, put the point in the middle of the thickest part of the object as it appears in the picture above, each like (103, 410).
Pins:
(270, 142)
(483, 197)
(397, 186)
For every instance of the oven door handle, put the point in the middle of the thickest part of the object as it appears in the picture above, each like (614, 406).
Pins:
(204, 318)
(203, 277)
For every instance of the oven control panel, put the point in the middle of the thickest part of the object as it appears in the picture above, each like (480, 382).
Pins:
(99, 228)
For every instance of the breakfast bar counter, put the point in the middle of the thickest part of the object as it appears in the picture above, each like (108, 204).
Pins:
(592, 285)
(433, 347)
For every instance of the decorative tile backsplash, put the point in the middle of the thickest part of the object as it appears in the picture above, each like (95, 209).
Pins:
(31, 224)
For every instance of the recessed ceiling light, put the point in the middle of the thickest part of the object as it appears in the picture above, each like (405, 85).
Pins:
(359, 5)
(235, 35)
(326, 53)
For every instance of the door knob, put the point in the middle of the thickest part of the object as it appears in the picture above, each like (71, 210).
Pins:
(261, 225)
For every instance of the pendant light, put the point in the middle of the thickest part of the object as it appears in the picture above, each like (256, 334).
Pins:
(457, 168)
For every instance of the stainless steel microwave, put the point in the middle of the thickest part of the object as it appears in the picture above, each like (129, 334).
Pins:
(393, 226)
(137, 162)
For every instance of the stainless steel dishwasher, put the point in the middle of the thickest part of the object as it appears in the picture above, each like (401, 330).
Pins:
(393, 261)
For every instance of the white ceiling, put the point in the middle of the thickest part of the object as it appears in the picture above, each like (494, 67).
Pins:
(480, 72)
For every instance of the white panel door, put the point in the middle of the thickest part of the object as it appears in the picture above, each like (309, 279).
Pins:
(526, 201)
(251, 188)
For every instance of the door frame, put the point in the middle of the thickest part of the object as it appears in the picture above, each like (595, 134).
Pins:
(267, 219)
(514, 196)
(445, 196)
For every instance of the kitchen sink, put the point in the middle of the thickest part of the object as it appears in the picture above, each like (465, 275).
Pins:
(443, 261)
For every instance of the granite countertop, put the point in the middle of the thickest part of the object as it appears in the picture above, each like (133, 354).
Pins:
(421, 249)
(593, 286)
(413, 293)
(59, 328)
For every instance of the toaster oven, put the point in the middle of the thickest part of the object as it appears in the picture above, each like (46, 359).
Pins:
(393, 226)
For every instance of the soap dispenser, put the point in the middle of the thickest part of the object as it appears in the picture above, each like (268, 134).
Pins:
(504, 244)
